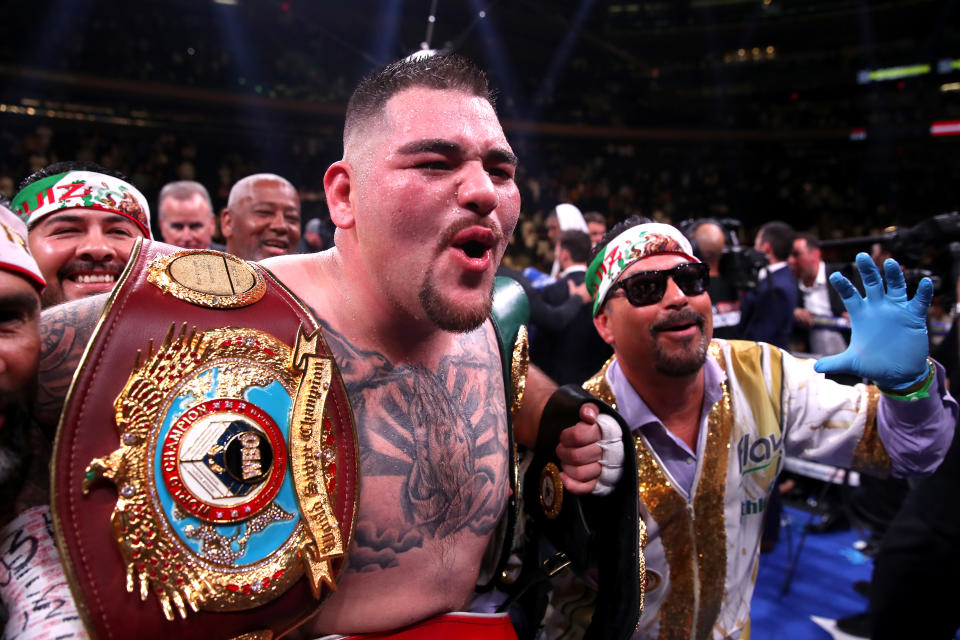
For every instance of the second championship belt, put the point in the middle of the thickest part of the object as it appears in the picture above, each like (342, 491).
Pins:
(205, 466)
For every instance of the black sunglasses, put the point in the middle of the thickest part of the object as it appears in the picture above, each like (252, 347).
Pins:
(648, 287)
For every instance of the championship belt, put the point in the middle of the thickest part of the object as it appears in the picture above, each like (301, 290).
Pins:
(205, 469)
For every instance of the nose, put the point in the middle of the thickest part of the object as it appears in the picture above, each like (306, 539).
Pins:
(476, 191)
(96, 247)
(278, 223)
(673, 296)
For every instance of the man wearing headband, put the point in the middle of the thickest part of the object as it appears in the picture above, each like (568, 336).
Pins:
(713, 419)
(82, 221)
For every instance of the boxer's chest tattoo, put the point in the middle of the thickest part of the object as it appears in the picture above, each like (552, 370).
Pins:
(440, 433)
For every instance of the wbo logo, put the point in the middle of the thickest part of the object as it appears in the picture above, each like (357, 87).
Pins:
(759, 454)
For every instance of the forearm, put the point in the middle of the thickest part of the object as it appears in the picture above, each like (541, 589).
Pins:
(917, 433)
(64, 333)
(526, 421)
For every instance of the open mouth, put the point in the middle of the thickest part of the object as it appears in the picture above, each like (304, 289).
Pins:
(277, 244)
(475, 242)
(678, 327)
(473, 249)
(679, 323)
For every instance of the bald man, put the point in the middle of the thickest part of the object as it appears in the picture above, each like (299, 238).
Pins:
(262, 218)
(724, 296)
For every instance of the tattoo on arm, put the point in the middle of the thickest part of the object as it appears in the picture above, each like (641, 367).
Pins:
(64, 333)
(440, 433)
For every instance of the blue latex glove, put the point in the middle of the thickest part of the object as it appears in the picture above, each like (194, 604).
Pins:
(888, 343)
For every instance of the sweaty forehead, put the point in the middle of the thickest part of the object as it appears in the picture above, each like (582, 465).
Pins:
(420, 112)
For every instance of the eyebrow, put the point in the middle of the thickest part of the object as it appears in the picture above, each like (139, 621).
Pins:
(271, 203)
(445, 147)
(19, 302)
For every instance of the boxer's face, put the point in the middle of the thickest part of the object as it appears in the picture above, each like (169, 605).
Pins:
(435, 204)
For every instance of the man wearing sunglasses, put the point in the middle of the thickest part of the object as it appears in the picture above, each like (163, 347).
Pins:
(713, 419)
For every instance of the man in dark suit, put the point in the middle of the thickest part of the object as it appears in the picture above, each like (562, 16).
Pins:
(818, 302)
(572, 352)
(767, 313)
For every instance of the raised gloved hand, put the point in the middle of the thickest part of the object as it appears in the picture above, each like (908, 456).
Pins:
(888, 343)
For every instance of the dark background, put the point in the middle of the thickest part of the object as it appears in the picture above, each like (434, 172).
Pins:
(672, 109)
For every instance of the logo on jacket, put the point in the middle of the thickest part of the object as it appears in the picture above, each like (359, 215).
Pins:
(759, 454)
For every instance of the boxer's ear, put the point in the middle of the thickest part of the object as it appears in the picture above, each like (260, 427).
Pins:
(338, 186)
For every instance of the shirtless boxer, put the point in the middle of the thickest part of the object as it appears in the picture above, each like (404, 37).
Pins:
(424, 202)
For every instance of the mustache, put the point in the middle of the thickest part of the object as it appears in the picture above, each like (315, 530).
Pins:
(684, 316)
(82, 266)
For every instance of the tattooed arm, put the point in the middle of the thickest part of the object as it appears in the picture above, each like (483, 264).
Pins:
(64, 332)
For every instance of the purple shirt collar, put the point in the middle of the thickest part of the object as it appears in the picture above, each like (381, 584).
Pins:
(675, 455)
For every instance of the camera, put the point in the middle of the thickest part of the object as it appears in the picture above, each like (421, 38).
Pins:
(923, 244)
(739, 265)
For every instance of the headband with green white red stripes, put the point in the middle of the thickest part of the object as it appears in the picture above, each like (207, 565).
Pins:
(633, 244)
(82, 190)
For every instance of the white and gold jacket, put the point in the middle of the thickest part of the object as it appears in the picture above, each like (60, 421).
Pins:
(702, 547)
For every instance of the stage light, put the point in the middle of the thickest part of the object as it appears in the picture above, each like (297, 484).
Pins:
(945, 128)
(867, 76)
(946, 65)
